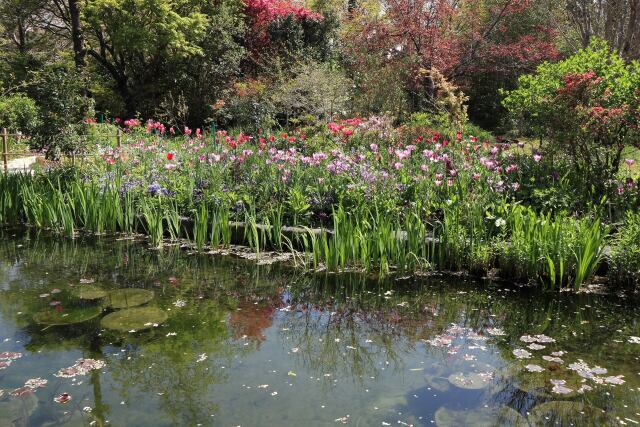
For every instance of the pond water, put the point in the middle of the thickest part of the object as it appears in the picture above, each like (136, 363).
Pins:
(205, 340)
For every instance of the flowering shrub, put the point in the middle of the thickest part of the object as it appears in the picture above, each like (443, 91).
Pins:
(587, 107)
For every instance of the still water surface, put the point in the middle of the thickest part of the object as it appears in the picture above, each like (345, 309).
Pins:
(221, 341)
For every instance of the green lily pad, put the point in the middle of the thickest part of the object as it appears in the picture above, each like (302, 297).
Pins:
(67, 316)
(566, 413)
(16, 411)
(484, 417)
(134, 319)
(469, 380)
(126, 298)
(89, 292)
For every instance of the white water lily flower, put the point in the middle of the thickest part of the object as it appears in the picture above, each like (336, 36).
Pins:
(559, 387)
(615, 380)
(584, 387)
(534, 368)
(180, 303)
(553, 359)
(521, 354)
(634, 340)
(544, 339)
(496, 332)
(534, 346)
(527, 338)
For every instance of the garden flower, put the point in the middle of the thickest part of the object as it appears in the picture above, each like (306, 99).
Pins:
(629, 162)
(169, 156)
(537, 157)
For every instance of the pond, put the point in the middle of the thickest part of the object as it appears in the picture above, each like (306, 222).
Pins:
(104, 331)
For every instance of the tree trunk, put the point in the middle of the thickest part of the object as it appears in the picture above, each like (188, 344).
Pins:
(76, 34)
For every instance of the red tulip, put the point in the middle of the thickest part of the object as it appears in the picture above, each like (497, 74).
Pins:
(169, 156)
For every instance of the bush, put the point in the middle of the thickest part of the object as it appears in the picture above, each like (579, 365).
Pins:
(586, 107)
(19, 113)
(64, 106)
(624, 258)
(311, 92)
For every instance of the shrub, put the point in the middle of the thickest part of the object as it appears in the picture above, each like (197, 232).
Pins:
(19, 113)
(586, 107)
(64, 106)
(313, 91)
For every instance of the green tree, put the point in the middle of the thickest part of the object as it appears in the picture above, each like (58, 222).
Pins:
(133, 40)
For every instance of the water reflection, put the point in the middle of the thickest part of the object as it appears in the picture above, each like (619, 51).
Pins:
(248, 345)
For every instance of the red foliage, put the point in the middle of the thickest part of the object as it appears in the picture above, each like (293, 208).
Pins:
(455, 37)
(260, 13)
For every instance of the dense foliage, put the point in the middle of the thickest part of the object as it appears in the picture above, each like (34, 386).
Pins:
(587, 106)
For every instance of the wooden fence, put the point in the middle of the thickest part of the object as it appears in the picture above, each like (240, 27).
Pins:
(6, 138)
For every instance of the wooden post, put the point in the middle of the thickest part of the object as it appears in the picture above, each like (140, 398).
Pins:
(5, 150)
(119, 138)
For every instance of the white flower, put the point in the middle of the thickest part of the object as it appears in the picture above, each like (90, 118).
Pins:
(496, 331)
(521, 354)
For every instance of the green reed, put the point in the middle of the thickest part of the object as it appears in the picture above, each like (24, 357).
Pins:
(153, 223)
(173, 220)
(201, 226)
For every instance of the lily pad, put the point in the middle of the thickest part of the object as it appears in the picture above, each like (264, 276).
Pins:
(134, 319)
(566, 413)
(89, 292)
(470, 380)
(126, 298)
(67, 316)
(484, 417)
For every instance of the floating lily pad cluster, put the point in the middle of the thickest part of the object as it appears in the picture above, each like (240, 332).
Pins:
(129, 314)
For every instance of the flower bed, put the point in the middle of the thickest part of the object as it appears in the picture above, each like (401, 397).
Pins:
(360, 184)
